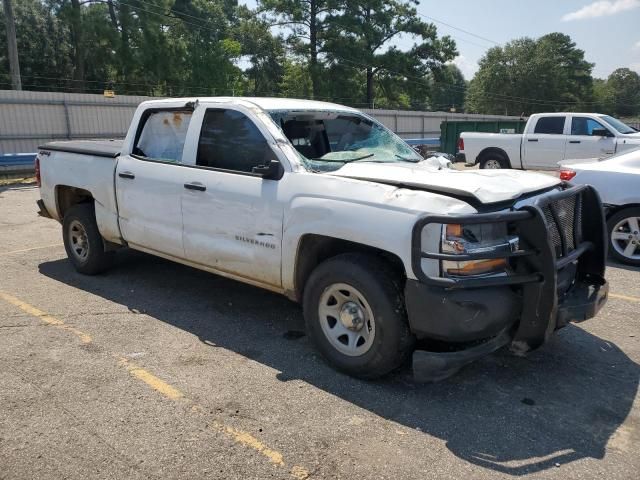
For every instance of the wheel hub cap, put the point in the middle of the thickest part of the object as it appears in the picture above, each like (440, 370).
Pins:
(352, 316)
(79, 240)
(347, 319)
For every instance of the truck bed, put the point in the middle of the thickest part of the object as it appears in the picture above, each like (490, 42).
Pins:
(98, 148)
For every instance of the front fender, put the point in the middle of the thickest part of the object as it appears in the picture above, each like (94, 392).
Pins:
(386, 225)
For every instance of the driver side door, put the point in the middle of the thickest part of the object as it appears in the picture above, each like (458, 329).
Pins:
(232, 218)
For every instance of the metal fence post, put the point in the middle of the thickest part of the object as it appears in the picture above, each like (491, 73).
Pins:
(67, 119)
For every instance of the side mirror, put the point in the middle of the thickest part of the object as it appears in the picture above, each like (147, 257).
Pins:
(600, 132)
(272, 171)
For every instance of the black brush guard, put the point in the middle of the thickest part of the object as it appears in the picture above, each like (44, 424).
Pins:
(547, 251)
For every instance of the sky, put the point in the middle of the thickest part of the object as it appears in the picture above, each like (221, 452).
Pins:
(607, 30)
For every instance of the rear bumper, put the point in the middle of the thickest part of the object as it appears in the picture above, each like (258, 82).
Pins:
(42, 210)
(461, 157)
(558, 277)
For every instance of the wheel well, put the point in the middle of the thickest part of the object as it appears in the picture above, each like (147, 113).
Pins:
(315, 249)
(613, 209)
(492, 151)
(67, 196)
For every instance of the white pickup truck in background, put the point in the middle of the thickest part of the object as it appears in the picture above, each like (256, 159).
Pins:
(549, 138)
(385, 250)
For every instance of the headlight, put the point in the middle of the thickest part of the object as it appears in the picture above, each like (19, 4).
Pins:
(481, 238)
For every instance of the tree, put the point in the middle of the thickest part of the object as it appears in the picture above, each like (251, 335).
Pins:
(623, 87)
(264, 52)
(448, 88)
(307, 21)
(528, 76)
(360, 32)
(43, 44)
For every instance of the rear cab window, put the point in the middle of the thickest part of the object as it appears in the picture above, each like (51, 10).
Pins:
(162, 135)
(550, 125)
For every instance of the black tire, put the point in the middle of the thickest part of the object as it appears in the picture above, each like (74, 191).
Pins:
(492, 158)
(614, 220)
(381, 288)
(95, 260)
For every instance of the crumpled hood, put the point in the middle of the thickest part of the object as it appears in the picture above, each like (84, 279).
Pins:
(486, 186)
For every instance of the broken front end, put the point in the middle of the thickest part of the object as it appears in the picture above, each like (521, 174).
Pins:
(507, 277)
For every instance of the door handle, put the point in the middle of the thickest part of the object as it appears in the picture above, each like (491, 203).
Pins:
(128, 175)
(574, 141)
(195, 186)
(532, 139)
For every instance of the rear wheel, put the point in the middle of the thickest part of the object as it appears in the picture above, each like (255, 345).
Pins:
(355, 314)
(494, 161)
(83, 242)
(624, 236)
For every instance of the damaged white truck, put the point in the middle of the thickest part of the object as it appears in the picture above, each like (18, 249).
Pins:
(388, 253)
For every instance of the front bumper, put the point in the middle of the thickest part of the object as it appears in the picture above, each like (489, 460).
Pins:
(558, 277)
(465, 316)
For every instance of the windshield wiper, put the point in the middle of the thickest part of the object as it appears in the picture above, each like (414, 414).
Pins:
(405, 159)
(347, 160)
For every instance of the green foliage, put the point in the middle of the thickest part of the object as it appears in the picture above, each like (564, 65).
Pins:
(622, 93)
(338, 50)
(43, 42)
(448, 89)
(528, 76)
(360, 34)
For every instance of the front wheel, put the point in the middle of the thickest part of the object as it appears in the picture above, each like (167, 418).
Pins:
(354, 312)
(83, 242)
(624, 236)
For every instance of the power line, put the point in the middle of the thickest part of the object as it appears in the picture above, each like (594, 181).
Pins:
(459, 29)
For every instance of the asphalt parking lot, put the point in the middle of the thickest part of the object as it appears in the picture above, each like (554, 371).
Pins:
(156, 370)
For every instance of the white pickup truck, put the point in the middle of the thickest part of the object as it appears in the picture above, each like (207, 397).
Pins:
(386, 251)
(549, 138)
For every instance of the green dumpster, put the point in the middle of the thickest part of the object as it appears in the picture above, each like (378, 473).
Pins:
(450, 131)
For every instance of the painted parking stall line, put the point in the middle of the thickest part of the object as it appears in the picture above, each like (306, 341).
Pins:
(167, 390)
(31, 249)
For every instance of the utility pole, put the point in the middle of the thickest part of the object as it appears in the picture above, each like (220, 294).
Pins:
(14, 64)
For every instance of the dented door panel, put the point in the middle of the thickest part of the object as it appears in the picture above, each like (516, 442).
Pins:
(235, 225)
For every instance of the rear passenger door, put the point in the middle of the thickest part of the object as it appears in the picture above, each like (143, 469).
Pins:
(232, 217)
(544, 146)
(149, 183)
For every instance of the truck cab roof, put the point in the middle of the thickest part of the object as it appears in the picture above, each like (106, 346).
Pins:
(265, 103)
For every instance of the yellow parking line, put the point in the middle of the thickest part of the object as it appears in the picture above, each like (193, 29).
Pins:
(250, 441)
(625, 297)
(239, 436)
(45, 318)
(150, 379)
(2, 254)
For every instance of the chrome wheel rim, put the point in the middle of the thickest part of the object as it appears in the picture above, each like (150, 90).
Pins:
(78, 240)
(346, 319)
(492, 164)
(625, 238)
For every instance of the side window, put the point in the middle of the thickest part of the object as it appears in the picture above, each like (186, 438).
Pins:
(584, 126)
(550, 125)
(163, 135)
(231, 141)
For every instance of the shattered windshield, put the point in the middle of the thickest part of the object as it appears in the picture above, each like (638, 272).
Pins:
(326, 141)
